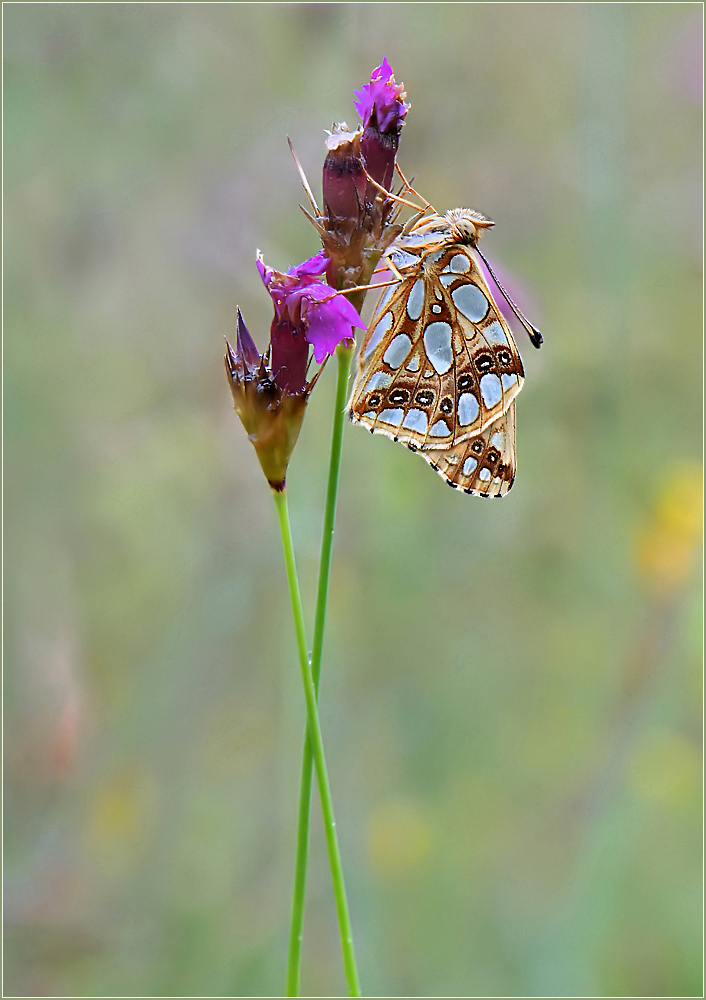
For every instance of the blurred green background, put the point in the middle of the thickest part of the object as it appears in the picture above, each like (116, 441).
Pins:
(511, 691)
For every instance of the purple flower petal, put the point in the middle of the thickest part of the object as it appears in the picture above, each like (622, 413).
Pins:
(381, 100)
(265, 272)
(280, 284)
(302, 313)
(247, 353)
(328, 322)
(313, 267)
(383, 74)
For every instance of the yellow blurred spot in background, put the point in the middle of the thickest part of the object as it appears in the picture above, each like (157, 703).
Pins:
(399, 837)
(120, 815)
(666, 548)
(668, 771)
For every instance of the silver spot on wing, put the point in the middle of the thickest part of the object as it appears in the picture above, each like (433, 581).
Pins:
(378, 333)
(415, 299)
(416, 420)
(490, 390)
(397, 350)
(470, 301)
(437, 341)
(392, 416)
(468, 408)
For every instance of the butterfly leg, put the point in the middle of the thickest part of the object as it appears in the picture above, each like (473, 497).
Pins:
(408, 187)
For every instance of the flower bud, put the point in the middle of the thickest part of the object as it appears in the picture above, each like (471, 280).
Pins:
(379, 151)
(344, 181)
(246, 356)
(271, 415)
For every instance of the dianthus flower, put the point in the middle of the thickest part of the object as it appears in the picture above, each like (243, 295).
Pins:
(382, 108)
(304, 308)
(382, 100)
(270, 390)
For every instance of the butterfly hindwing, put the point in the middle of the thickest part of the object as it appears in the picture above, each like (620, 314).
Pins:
(485, 465)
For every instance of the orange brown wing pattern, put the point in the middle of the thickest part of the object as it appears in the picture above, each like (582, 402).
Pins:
(438, 365)
(484, 466)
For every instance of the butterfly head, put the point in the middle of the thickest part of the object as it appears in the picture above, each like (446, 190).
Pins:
(466, 225)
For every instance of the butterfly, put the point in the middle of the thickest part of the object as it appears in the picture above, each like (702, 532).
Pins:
(438, 369)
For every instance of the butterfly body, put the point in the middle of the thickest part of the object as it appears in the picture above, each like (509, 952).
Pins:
(438, 368)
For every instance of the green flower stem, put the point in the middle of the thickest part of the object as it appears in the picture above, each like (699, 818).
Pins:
(317, 749)
(344, 357)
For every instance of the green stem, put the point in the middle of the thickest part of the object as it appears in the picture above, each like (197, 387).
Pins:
(317, 749)
(344, 356)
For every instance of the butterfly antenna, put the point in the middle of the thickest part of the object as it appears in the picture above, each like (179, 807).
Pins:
(302, 178)
(534, 335)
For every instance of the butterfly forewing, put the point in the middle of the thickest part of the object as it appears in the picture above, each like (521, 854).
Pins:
(438, 365)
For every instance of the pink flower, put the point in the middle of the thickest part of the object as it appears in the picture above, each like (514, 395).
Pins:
(305, 312)
(270, 390)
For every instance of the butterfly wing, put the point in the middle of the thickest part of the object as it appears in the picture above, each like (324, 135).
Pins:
(438, 364)
(485, 465)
